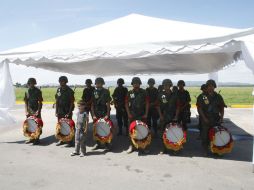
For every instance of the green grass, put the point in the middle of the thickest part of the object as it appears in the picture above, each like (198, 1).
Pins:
(231, 95)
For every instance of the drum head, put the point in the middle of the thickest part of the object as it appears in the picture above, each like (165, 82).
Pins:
(65, 129)
(32, 125)
(102, 129)
(174, 134)
(221, 138)
(141, 132)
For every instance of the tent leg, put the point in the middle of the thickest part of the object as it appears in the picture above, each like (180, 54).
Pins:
(253, 137)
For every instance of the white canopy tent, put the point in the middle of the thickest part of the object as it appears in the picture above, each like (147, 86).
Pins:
(135, 44)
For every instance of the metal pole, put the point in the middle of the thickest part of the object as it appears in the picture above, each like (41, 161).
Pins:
(253, 137)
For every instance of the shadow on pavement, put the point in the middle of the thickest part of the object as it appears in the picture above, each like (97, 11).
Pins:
(242, 150)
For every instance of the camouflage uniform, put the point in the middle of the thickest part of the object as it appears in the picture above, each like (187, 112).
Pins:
(168, 103)
(153, 113)
(32, 97)
(87, 97)
(184, 98)
(119, 95)
(64, 99)
(211, 106)
(100, 99)
(136, 100)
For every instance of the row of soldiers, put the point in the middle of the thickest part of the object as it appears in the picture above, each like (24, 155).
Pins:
(166, 103)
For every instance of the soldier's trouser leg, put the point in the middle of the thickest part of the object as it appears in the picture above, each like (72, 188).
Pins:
(149, 118)
(155, 125)
(204, 135)
(83, 143)
(119, 117)
(125, 122)
(199, 125)
(77, 141)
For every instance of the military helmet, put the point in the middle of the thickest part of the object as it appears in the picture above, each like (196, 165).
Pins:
(211, 82)
(167, 82)
(89, 81)
(31, 80)
(203, 87)
(136, 80)
(174, 89)
(151, 81)
(180, 82)
(99, 80)
(63, 79)
(120, 81)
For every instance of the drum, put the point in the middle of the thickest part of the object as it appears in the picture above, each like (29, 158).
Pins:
(140, 134)
(65, 129)
(174, 136)
(221, 140)
(103, 130)
(32, 127)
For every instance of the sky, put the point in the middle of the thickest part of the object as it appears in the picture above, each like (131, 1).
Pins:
(29, 21)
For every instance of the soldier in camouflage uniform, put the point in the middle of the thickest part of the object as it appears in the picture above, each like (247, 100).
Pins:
(33, 103)
(167, 105)
(175, 89)
(137, 106)
(119, 95)
(211, 110)
(87, 95)
(153, 114)
(100, 107)
(64, 103)
(160, 88)
(184, 100)
(199, 99)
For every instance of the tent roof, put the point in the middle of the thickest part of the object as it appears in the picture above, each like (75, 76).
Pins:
(135, 44)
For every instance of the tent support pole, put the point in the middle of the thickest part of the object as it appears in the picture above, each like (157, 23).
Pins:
(253, 136)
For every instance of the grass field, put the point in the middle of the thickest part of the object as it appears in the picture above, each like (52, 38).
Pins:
(231, 95)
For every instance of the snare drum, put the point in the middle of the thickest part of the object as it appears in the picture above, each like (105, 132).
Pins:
(221, 140)
(174, 136)
(140, 134)
(65, 129)
(103, 130)
(32, 127)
